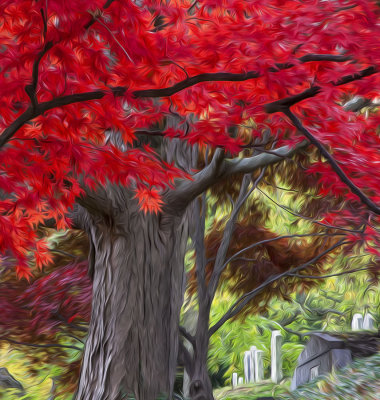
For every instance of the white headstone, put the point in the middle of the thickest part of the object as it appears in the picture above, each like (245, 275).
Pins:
(259, 368)
(234, 379)
(247, 366)
(252, 369)
(240, 381)
(357, 322)
(276, 356)
(369, 322)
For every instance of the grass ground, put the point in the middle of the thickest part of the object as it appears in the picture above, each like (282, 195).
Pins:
(253, 391)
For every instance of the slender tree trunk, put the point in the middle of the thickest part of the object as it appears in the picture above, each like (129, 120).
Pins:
(200, 386)
(190, 319)
(137, 295)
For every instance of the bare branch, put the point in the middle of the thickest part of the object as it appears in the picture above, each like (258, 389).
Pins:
(338, 170)
(246, 298)
(64, 253)
(70, 324)
(324, 234)
(301, 335)
(190, 338)
(219, 264)
(185, 358)
(43, 346)
(199, 245)
(288, 210)
(351, 271)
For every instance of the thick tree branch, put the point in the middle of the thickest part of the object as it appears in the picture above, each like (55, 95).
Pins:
(231, 77)
(246, 298)
(335, 166)
(284, 104)
(31, 89)
(250, 164)
(207, 77)
(220, 168)
(187, 190)
(33, 112)
(279, 105)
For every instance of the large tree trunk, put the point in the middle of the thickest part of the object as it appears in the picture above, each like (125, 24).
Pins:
(138, 285)
(137, 295)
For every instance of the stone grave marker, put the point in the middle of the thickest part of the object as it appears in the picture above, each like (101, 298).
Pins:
(247, 366)
(259, 367)
(276, 356)
(234, 379)
(357, 322)
(252, 351)
(369, 322)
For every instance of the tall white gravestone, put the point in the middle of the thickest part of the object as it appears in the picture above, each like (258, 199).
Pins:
(276, 356)
(369, 322)
(259, 368)
(357, 322)
(234, 379)
(252, 369)
(247, 362)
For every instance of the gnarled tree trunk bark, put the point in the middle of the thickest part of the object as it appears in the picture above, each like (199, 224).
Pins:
(137, 263)
(137, 295)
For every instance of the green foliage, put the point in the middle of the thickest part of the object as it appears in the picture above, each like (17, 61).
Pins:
(36, 386)
(36, 378)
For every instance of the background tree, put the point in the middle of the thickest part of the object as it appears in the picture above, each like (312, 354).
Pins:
(244, 246)
(80, 81)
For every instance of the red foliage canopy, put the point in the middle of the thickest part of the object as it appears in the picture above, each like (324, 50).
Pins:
(70, 70)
